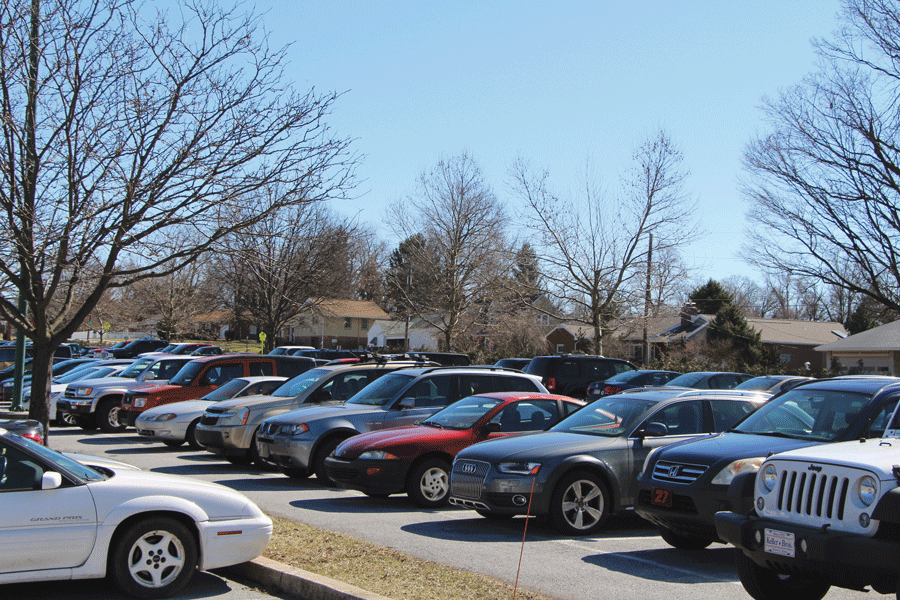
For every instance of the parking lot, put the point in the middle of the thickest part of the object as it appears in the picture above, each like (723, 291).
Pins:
(626, 558)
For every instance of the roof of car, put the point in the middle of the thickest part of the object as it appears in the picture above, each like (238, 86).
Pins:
(416, 371)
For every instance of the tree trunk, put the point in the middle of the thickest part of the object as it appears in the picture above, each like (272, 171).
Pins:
(41, 367)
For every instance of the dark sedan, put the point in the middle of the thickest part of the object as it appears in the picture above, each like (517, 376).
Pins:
(681, 487)
(29, 428)
(584, 468)
(710, 380)
(416, 459)
(628, 381)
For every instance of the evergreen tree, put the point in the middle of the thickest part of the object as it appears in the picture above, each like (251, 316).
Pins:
(711, 297)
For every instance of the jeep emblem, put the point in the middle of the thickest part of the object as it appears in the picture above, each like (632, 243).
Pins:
(815, 468)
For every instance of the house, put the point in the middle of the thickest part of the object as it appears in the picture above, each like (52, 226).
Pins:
(333, 325)
(393, 334)
(876, 351)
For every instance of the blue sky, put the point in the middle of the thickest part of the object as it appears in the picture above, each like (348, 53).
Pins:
(557, 83)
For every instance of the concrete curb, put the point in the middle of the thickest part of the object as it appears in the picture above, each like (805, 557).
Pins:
(297, 582)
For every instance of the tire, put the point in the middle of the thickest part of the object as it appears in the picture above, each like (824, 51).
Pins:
(256, 460)
(684, 542)
(86, 422)
(108, 416)
(172, 443)
(298, 474)
(764, 584)
(154, 558)
(190, 436)
(580, 504)
(322, 453)
(65, 419)
(493, 516)
(428, 484)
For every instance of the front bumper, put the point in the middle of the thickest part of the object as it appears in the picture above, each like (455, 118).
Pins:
(692, 509)
(68, 406)
(286, 452)
(230, 542)
(369, 476)
(161, 430)
(225, 441)
(842, 559)
(127, 416)
(476, 485)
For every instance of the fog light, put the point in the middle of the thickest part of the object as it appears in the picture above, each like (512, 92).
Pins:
(865, 519)
(519, 500)
(758, 536)
(760, 504)
(803, 546)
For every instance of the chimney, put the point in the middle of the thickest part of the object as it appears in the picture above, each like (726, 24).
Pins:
(689, 313)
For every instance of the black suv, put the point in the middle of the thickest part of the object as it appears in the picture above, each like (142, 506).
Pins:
(135, 347)
(571, 374)
(682, 486)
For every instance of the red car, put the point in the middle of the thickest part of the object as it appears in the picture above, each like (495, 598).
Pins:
(417, 459)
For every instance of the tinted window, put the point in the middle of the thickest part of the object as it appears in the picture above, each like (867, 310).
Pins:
(681, 418)
(609, 416)
(382, 390)
(518, 384)
(728, 412)
(804, 413)
(294, 387)
(346, 385)
(531, 415)
(265, 369)
(166, 369)
(431, 392)
(879, 421)
(290, 367)
(222, 373)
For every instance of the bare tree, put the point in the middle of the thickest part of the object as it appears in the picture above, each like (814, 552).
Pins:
(131, 143)
(594, 247)
(285, 265)
(462, 225)
(824, 183)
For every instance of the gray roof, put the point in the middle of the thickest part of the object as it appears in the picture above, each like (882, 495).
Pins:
(885, 338)
(797, 333)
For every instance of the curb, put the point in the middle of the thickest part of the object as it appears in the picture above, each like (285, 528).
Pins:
(297, 582)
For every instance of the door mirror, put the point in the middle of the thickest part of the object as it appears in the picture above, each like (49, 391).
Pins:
(492, 428)
(408, 403)
(50, 480)
(654, 429)
(320, 396)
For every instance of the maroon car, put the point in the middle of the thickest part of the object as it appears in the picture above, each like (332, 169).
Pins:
(416, 460)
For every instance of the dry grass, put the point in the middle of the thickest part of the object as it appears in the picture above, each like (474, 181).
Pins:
(381, 570)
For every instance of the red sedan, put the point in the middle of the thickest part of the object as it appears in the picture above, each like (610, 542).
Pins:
(417, 459)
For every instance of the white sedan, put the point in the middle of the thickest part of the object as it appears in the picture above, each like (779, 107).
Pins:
(174, 424)
(146, 531)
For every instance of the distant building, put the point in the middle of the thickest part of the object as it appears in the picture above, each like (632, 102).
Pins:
(876, 351)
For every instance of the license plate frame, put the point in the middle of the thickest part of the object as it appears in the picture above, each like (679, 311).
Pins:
(780, 543)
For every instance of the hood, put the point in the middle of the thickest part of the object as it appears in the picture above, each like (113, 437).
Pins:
(384, 438)
(727, 447)
(879, 455)
(215, 500)
(101, 463)
(179, 408)
(540, 445)
(326, 410)
(255, 400)
(102, 381)
(153, 388)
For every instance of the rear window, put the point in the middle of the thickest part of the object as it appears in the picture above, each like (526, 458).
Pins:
(539, 365)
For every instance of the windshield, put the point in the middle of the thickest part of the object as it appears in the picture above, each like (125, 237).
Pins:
(64, 462)
(382, 390)
(227, 391)
(611, 416)
(300, 383)
(187, 373)
(687, 380)
(807, 414)
(136, 368)
(75, 375)
(462, 414)
(757, 384)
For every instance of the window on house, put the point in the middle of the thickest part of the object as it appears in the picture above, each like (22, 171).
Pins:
(364, 323)
(348, 322)
(543, 319)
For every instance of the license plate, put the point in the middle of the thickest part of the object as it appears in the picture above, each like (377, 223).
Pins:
(145, 433)
(779, 542)
(660, 497)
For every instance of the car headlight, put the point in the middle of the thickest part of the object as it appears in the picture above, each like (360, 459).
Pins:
(295, 429)
(744, 465)
(165, 417)
(139, 402)
(769, 477)
(235, 417)
(83, 391)
(867, 488)
(377, 455)
(519, 468)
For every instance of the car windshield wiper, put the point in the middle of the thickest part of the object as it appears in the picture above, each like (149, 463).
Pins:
(432, 424)
(772, 434)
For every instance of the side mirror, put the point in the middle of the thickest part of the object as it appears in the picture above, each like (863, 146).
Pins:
(492, 428)
(408, 403)
(654, 429)
(321, 396)
(50, 480)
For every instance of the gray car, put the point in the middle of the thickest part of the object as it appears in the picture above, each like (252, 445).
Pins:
(299, 441)
(585, 467)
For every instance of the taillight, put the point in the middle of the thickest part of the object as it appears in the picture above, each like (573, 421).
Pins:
(34, 437)
(551, 384)
(612, 389)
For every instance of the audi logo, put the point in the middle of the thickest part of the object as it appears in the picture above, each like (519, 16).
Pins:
(468, 468)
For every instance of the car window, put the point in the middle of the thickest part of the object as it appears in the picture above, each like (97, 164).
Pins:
(568, 408)
(596, 370)
(805, 413)
(532, 415)
(681, 418)
(345, 385)
(726, 413)
(166, 369)
(516, 384)
(264, 369)
(880, 420)
(221, 374)
(431, 392)
(17, 470)
(567, 369)
(471, 385)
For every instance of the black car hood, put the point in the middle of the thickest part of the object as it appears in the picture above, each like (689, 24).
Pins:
(540, 445)
(728, 447)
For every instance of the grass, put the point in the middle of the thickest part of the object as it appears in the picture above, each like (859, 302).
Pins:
(378, 569)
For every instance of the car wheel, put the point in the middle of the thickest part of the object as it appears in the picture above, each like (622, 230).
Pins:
(764, 584)
(190, 436)
(172, 443)
(257, 460)
(322, 453)
(684, 542)
(108, 416)
(154, 558)
(86, 422)
(299, 474)
(493, 516)
(65, 419)
(428, 484)
(580, 504)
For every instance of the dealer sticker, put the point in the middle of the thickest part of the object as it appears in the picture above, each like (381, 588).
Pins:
(779, 542)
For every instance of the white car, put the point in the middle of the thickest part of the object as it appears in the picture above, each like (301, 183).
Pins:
(65, 520)
(174, 424)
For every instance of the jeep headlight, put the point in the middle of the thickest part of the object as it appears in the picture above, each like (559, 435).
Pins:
(769, 477)
(519, 468)
(744, 465)
(867, 488)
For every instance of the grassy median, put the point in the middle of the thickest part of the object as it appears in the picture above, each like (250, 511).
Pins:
(381, 570)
